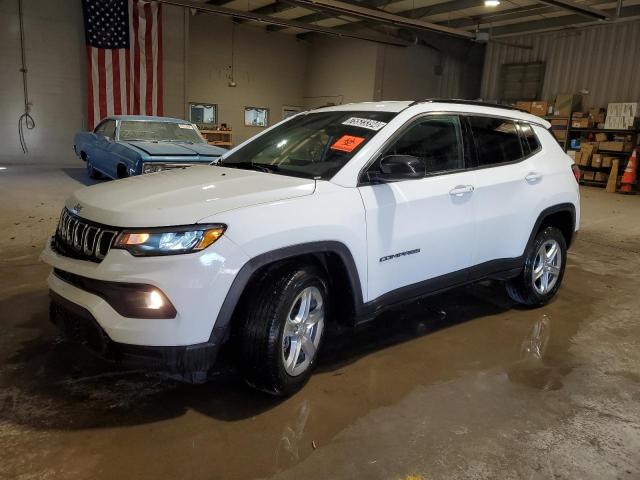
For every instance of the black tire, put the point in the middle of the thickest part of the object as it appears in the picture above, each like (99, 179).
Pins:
(92, 172)
(262, 359)
(521, 289)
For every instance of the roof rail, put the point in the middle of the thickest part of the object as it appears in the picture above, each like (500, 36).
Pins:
(472, 102)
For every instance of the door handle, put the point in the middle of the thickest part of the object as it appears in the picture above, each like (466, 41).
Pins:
(460, 190)
(533, 177)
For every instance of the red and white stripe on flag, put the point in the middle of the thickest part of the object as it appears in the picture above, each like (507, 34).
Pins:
(128, 81)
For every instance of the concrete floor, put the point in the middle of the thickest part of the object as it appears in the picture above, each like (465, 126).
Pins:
(488, 391)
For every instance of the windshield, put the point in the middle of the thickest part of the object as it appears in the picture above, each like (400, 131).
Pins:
(160, 132)
(313, 145)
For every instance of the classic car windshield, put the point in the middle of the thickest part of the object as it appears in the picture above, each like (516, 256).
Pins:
(312, 145)
(160, 132)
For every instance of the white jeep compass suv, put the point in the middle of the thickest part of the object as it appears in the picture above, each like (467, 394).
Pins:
(325, 218)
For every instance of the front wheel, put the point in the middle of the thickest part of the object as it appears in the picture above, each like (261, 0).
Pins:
(543, 270)
(283, 329)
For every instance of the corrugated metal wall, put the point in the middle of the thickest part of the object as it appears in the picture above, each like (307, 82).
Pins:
(603, 59)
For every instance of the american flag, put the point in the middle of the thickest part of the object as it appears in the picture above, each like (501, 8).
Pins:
(124, 58)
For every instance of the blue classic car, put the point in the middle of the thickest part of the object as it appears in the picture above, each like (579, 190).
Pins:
(121, 146)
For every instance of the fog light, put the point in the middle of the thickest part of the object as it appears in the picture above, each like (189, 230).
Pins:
(154, 300)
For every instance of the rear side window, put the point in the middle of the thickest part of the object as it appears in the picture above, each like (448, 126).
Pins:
(497, 140)
(531, 142)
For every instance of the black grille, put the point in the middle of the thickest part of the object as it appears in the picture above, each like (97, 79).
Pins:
(79, 238)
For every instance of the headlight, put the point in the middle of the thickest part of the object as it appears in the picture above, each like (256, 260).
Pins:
(152, 167)
(168, 241)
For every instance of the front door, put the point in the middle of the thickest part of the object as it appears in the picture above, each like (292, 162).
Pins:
(423, 229)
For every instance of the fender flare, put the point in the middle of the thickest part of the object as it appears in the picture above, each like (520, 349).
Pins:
(561, 207)
(245, 274)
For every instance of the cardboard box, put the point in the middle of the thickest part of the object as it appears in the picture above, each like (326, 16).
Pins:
(579, 115)
(580, 123)
(619, 122)
(560, 134)
(589, 175)
(607, 161)
(566, 103)
(539, 108)
(601, 137)
(615, 146)
(522, 105)
(601, 177)
(578, 158)
(597, 115)
(559, 122)
(596, 160)
(623, 109)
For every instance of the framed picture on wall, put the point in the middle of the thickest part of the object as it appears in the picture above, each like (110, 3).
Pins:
(290, 111)
(202, 113)
(256, 117)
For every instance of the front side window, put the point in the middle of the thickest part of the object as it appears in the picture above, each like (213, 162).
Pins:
(436, 140)
(312, 145)
(149, 131)
(107, 129)
(497, 140)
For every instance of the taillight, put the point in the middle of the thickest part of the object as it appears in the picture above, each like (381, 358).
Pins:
(576, 172)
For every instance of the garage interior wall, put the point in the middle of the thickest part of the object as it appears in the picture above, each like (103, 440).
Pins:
(603, 59)
(271, 70)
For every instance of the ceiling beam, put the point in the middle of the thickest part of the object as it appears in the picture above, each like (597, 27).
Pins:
(558, 23)
(508, 15)
(579, 8)
(230, 12)
(380, 16)
(311, 18)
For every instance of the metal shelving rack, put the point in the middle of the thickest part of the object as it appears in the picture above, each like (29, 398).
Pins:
(624, 156)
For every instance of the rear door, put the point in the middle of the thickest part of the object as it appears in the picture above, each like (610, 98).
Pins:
(508, 183)
(422, 229)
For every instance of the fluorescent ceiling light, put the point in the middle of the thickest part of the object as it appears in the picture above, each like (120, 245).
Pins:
(491, 3)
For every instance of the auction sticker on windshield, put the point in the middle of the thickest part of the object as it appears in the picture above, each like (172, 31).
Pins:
(347, 143)
(182, 125)
(364, 123)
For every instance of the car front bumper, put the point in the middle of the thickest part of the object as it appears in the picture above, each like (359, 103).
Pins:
(196, 284)
(190, 363)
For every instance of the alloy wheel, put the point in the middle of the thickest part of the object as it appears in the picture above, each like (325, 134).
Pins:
(302, 331)
(547, 266)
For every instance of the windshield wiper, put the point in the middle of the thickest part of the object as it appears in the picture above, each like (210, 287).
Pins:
(261, 167)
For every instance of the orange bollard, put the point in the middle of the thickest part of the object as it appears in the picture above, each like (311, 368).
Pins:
(629, 175)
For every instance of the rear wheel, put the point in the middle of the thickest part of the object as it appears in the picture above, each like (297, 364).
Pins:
(283, 329)
(543, 271)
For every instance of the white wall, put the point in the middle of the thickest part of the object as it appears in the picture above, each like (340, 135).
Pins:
(55, 60)
(340, 70)
(269, 70)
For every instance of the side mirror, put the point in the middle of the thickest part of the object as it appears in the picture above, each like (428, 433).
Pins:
(399, 167)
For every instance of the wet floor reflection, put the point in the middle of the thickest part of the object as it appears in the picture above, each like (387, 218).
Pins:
(47, 386)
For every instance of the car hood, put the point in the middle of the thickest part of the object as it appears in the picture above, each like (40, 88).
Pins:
(182, 197)
(175, 149)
